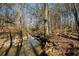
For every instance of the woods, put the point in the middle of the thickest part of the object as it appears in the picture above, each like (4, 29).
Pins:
(41, 29)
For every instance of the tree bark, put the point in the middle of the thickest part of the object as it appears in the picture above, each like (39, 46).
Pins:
(46, 19)
(76, 18)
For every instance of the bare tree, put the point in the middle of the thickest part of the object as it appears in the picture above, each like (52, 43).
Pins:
(46, 19)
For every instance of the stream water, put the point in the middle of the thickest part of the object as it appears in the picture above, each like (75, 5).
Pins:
(29, 42)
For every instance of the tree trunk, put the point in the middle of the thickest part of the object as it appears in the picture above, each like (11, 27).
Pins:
(76, 18)
(46, 19)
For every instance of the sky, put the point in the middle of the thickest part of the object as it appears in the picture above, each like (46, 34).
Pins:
(25, 10)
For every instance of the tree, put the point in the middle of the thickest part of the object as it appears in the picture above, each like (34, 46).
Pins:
(46, 31)
(75, 13)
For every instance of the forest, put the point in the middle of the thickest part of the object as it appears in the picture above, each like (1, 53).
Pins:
(39, 29)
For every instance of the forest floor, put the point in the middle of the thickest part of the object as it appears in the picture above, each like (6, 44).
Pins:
(63, 44)
(57, 45)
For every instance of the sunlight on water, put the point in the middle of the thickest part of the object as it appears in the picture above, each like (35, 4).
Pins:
(31, 41)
